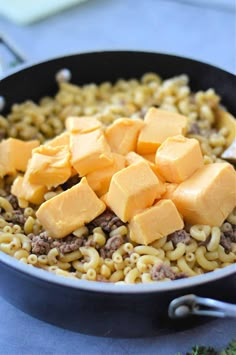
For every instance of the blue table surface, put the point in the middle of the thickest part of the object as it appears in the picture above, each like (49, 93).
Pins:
(202, 33)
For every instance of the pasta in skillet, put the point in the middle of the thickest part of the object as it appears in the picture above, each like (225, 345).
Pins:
(102, 250)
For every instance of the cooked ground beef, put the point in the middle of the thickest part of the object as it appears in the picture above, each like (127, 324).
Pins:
(42, 244)
(227, 238)
(225, 242)
(90, 243)
(13, 201)
(111, 245)
(71, 182)
(194, 129)
(108, 221)
(231, 234)
(18, 217)
(68, 244)
(161, 271)
(180, 236)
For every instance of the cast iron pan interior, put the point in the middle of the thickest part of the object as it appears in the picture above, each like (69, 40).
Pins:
(39, 80)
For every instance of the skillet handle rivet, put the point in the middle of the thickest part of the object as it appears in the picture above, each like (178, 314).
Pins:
(182, 311)
(63, 76)
(2, 103)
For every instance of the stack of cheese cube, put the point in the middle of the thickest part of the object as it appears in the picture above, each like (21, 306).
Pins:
(145, 171)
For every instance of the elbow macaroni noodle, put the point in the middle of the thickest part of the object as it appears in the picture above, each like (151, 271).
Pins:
(130, 263)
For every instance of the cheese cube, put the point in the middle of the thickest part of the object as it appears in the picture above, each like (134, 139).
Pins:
(170, 189)
(208, 196)
(16, 190)
(133, 158)
(159, 125)
(90, 151)
(49, 166)
(155, 222)
(61, 139)
(7, 166)
(82, 124)
(150, 157)
(14, 155)
(178, 158)
(99, 180)
(71, 209)
(122, 135)
(22, 152)
(132, 189)
(24, 190)
(103, 198)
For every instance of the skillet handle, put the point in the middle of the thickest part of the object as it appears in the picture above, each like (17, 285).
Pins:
(189, 305)
(11, 53)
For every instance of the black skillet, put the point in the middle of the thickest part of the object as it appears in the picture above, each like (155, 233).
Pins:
(101, 308)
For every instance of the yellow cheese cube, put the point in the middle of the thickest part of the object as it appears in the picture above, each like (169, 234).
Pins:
(7, 166)
(150, 157)
(159, 125)
(16, 188)
(178, 158)
(49, 166)
(90, 151)
(82, 124)
(122, 135)
(24, 190)
(62, 139)
(155, 222)
(170, 189)
(14, 155)
(133, 158)
(208, 196)
(22, 152)
(132, 189)
(103, 198)
(99, 180)
(70, 210)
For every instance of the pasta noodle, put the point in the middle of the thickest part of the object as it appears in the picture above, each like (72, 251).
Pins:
(202, 260)
(215, 239)
(177, 253)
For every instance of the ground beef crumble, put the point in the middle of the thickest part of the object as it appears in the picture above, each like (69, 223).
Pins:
(194, 129)
(180, 236)
(226, 243)
(18, 217)
(161, 271)
(13, 201)
(111, 246)
(108, 221)
(227, 238)
(42, 243)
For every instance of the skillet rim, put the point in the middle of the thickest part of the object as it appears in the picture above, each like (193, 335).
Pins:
(102, 287)
(32, 63)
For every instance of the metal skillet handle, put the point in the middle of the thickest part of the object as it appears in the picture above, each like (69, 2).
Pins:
(11, 55)
(189, 305)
